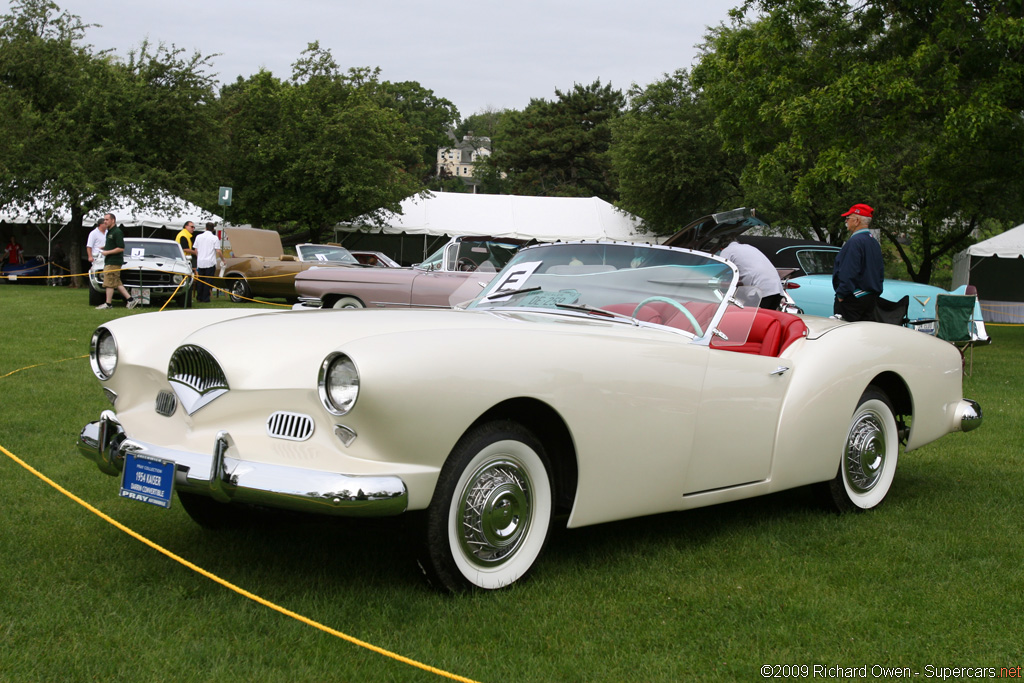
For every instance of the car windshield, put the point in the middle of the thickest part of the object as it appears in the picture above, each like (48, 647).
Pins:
(642, 282)
(152, 249)
(469, 255)
(326, 253)
(817, 261)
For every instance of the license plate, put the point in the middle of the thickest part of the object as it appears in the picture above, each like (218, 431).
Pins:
(147, 480)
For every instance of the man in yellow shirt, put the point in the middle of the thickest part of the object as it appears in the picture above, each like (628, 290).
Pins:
(184, 238)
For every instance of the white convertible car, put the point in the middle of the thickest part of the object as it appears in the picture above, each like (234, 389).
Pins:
(588, 382)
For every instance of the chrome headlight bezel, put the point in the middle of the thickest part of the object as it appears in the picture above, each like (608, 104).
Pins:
(103, 353)
(177, 278)
(338, 384)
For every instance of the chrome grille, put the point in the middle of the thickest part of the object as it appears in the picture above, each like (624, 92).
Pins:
(290, 426)
(166, 403)
(144, 277)
(196, 377)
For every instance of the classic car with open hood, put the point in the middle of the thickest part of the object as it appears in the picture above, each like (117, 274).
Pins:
(256, 265)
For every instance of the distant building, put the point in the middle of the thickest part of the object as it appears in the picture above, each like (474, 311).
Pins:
(459, 160)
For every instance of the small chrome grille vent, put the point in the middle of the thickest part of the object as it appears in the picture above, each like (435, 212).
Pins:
(290, 426)
(166, 403)
(196, 377)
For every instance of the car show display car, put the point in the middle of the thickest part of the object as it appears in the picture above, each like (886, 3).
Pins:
(457, 271)
(806, 268)
(587, 382)
(152, 268)
(32, 271)
(255, 263)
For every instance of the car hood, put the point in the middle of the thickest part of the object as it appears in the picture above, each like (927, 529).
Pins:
(713, 232)
(157, 263)
(297, 341)
(254, 242)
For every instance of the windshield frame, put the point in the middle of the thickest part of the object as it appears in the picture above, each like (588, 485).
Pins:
(308, 253)
(481, 252)
(537, 282)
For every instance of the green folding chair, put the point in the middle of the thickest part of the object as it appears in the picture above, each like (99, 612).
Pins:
(954, 315)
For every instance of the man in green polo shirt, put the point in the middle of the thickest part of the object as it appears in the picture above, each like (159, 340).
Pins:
(113, 259)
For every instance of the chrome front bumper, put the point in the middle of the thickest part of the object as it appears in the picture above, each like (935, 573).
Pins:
(968, 415)
(229, 479)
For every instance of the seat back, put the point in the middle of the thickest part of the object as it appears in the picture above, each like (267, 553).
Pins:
(892, 312)
(954, 313)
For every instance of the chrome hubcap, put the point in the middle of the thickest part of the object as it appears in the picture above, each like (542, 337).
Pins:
(864, 457)
(494, 515)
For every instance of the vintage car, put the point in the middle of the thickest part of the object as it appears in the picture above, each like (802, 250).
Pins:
(152, 268)
(463, 265)
(588, 382)
(377, 259)
(32, 271)
(807, 278)
(255, 263)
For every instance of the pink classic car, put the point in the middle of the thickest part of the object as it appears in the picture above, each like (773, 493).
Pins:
(456, 272)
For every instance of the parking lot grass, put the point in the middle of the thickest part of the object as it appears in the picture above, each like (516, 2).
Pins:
(931, 578)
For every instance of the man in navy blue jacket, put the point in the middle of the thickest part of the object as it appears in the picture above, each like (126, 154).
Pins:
(859, 272)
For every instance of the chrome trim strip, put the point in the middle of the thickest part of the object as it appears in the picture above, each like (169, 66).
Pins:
(291, 426)
(223, 476)
(166, 403)
(196, 377)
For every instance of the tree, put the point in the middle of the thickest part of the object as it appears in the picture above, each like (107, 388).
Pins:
(669, 158)
(560, 148)
(86, 129)
(427, 116)
(485, 123)
(915, 108)
(317, 150)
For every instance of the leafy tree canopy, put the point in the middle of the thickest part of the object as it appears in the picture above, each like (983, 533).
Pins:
(914, 108)
(560, 148)
(83, 128)
(318, 149)
(668, 158)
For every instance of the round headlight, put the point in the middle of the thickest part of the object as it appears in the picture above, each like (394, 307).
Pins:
(338, 383)
(103, 354)
(178, 278)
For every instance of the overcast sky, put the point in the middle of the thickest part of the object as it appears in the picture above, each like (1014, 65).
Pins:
(480, 55)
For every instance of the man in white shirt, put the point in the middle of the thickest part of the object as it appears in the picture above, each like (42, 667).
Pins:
(756, 271)
(207, 254)
(94, 243)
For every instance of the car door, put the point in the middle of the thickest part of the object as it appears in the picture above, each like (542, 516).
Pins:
(737, 420)
(442, 288)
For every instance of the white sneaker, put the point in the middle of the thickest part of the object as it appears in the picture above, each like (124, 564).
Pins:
(133, 302)
(103, 307)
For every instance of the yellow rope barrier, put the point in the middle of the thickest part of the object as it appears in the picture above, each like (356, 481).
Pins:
(213, 577)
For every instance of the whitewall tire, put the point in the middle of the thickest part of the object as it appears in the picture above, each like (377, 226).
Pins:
(491, 512)
(870, 453)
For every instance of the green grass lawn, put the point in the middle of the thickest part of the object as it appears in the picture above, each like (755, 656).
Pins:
(934, 577)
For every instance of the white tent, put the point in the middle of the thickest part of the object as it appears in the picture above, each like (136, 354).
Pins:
(129, 215)
(134, 220)
(996, 269)
(546, 219)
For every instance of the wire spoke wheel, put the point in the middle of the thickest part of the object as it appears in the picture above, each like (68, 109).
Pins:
(870, 454)
(491, 513)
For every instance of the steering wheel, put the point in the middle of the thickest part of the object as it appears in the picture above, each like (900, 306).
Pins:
(465, 264)
(676, 304)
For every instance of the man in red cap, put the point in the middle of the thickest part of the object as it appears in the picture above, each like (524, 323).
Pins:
(859, 271)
